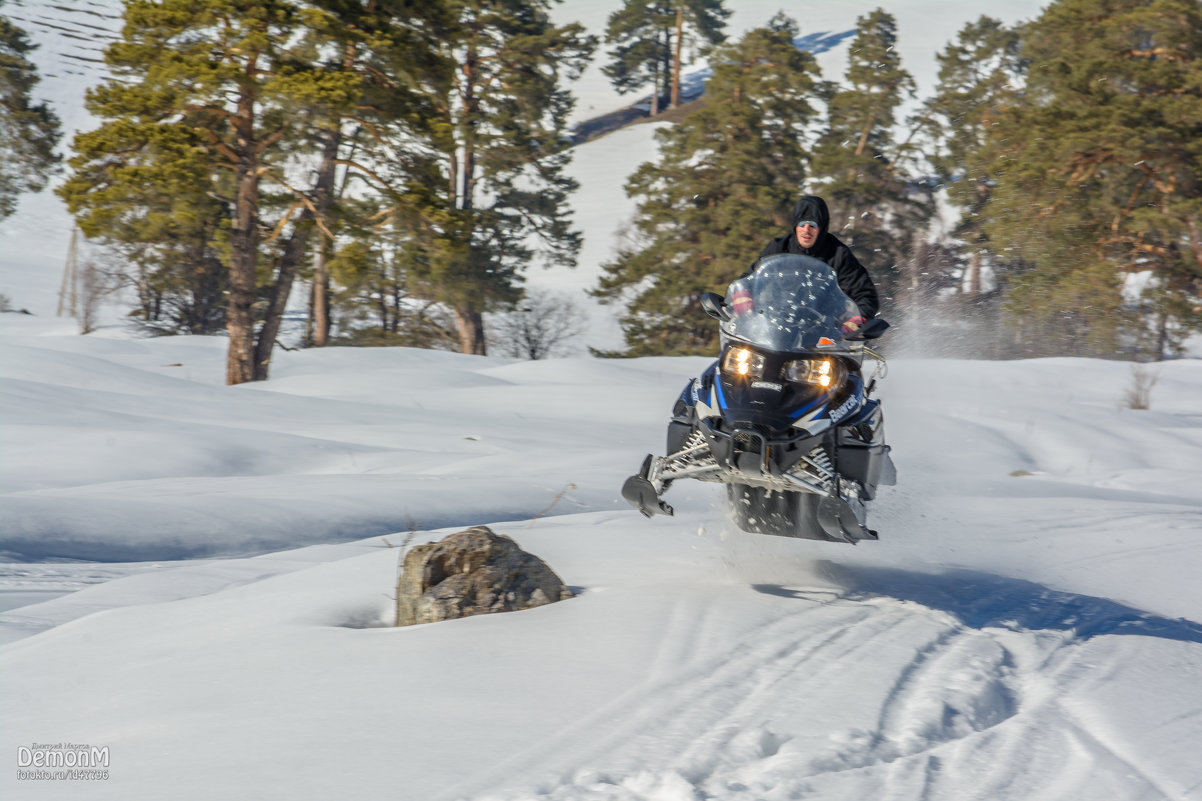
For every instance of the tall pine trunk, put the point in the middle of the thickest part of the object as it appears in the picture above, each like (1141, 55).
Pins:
(974, 273)
(321, 297)
(655, 92)
(294, 252)
(675, 99)
(244, 249)
(471, 330)
(1162, 336)
(313, 217)
(468, 319)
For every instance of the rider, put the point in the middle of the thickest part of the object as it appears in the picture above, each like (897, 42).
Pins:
(810, 237)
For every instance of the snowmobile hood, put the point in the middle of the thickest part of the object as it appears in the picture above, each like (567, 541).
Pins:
(812, 207)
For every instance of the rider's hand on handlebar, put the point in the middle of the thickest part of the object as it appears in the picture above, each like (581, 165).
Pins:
(853, 325)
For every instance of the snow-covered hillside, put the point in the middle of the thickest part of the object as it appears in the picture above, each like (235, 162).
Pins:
(195, 579)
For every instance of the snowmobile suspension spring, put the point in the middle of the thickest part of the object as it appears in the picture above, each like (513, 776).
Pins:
(820, 460)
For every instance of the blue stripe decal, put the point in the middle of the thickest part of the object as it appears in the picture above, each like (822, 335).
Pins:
(821, 400)
(718, 385)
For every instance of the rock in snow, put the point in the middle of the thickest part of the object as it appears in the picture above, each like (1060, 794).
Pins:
(473, 572)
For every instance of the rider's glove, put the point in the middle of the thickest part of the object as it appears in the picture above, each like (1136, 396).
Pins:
(853, 325)
(741, 301)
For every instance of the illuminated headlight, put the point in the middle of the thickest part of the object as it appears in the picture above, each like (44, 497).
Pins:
(744, 363)
(825, 373)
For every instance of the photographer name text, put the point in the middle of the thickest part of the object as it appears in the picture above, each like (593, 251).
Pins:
(62, 762)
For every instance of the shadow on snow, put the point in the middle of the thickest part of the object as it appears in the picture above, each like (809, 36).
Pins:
(986, 600)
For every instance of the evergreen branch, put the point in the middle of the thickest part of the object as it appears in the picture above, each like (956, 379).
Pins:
(1155, 52)
(220, 112)
(1140, 245)
(269, 140)
(301, 198)
(366, 172)
(219, 146)
(384, 78)
(1088, 167)
(279, 228)
(1166, 189)
(368, 125)
(390, 215)
(1126, 210)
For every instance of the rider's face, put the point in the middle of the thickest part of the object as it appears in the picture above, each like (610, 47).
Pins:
(807, 234)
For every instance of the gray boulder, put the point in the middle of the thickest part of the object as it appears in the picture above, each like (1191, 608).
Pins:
(472, 572)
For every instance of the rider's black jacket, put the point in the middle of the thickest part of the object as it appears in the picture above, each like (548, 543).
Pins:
(853, 278)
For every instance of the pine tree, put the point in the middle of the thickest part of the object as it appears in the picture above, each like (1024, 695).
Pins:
(727, 175)
(210, 75)
(979, 73)
(648, 38)
(28, 131)
(152, 201)
(384, 49)
(963, 277)
(253, 98)
(378, 303)
(1100, 173)
(858, 161)
(495, 199)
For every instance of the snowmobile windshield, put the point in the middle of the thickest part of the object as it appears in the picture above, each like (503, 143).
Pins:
(789, 303)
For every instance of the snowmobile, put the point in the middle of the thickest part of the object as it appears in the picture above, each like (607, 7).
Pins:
(783, 418)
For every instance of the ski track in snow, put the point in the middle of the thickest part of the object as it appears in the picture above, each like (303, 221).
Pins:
(754, 720)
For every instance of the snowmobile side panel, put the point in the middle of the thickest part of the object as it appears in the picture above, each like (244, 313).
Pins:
(863, 462)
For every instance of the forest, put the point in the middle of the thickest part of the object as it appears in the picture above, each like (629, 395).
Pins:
(402, 164)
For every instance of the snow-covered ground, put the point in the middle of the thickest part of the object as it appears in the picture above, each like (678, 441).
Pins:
(1028, 626)
(197, 578)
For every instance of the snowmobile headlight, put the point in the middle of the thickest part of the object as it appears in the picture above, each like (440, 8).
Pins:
(743, 363)
(824, 373)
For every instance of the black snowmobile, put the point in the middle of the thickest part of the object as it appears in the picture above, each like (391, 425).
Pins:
(783, 418)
